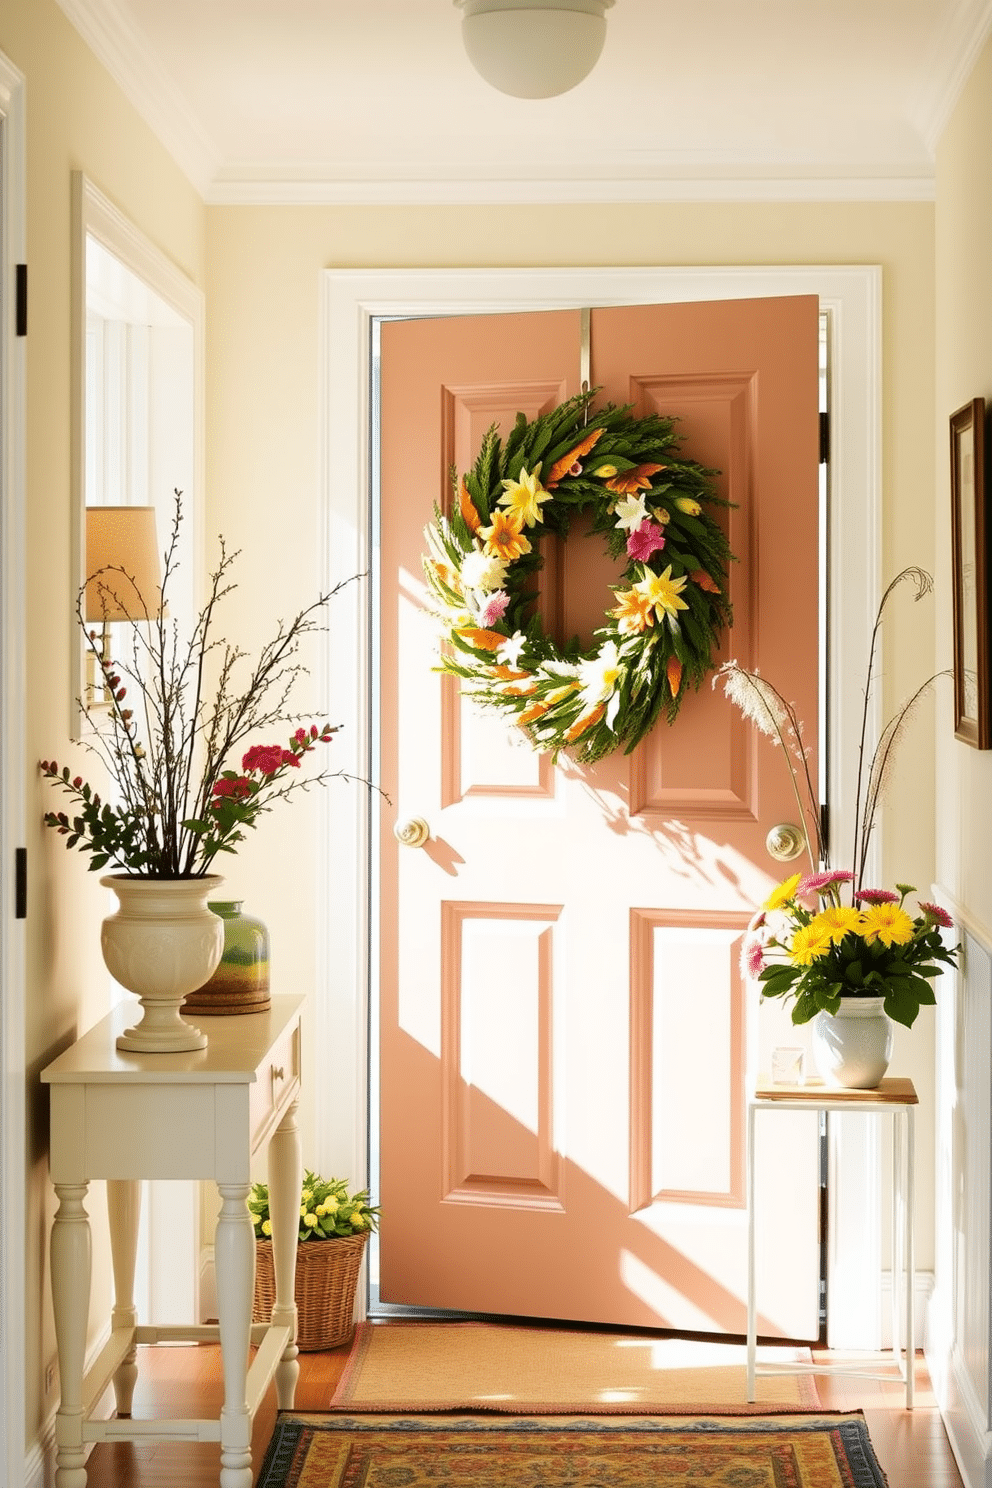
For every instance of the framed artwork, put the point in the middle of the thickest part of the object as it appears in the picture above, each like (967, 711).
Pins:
(969, 544)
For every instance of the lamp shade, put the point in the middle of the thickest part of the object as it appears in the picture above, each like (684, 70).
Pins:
(533, 48)
(122, 538)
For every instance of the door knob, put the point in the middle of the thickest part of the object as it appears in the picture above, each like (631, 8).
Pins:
(412, 831)
(785, 842)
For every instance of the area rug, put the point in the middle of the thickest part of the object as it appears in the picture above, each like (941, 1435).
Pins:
(313, 1451)
(504, 1367)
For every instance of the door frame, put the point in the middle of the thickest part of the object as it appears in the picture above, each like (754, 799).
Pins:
(350, 302)
(13, 413)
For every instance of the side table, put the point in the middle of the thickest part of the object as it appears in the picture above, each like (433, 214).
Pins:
(894, 1098)
(200, 1115)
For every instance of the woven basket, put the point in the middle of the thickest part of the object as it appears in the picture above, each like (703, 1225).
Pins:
(326, 1279)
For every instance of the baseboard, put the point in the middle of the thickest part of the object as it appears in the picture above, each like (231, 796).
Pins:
(208, 1286)
(922, 1295)
(964, 1418)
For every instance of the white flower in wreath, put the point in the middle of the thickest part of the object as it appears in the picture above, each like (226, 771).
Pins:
(630, 512)
(480, 571)
(509, 653)
(599, 677)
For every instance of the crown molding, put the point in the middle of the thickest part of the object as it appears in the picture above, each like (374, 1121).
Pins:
(110, 35)
(268, 189)
(964, 37)
(107, 28)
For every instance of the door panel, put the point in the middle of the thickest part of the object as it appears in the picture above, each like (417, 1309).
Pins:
(565, 1034)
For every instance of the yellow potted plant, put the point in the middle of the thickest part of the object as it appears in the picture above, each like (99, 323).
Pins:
(334, 1229)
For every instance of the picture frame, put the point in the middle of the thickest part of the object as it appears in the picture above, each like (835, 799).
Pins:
(969, 548)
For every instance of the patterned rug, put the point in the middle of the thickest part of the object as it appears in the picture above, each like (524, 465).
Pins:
(422, 1366)
(316, 1451)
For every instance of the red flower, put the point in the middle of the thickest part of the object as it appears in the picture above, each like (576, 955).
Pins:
(266, 758)
(237, 786)
(289, 758)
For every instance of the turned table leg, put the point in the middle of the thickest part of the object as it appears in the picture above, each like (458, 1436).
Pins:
(234, 1249)
(71, 1261)
(124, 1211)
(285, 1184)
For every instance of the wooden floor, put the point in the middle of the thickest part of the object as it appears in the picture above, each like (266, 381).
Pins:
(911, 1446)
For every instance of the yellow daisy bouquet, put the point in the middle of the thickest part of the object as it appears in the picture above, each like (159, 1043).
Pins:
(327, 1210)
(808, 945)
(805, 942)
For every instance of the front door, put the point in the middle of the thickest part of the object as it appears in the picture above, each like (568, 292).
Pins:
(565, 1033)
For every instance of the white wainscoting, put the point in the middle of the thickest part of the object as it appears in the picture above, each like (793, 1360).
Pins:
(959, 1345)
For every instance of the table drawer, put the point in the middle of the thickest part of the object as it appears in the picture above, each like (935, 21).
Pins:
(277, 1084)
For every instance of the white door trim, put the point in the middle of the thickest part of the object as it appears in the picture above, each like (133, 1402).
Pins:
(13, 1170)
(350, 301)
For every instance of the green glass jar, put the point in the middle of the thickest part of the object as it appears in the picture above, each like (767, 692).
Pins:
(241, 982)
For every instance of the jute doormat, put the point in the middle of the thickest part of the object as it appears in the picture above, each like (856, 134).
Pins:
(503, 1367)
(314, 1451)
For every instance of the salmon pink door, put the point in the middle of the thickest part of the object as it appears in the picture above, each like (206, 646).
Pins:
(564, 1031)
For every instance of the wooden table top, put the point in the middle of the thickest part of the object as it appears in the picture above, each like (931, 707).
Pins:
(894, 1091)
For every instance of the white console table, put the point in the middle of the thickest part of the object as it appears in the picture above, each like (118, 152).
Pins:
(895, 1098)
(201, 1115)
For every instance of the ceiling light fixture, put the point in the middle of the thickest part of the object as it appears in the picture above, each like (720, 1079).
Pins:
(533, 48)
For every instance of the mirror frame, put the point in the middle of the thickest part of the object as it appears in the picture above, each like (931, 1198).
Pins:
(95, 216)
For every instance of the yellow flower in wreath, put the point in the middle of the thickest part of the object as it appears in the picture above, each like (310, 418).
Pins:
(505, 538)
(663, 592)
(634, 612)
(526, 496)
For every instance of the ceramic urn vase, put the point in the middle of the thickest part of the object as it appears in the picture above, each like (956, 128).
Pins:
(161, 943)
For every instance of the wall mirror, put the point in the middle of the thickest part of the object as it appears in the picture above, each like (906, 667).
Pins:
(137, 435)
(137, 405)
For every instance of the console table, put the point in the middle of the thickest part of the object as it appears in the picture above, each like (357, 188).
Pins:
(200, 1115)
(896, 1099)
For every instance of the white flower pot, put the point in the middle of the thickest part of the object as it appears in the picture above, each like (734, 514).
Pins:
(161, 943)
(853, 1046)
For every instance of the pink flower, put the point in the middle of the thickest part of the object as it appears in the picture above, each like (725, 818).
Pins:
(815, 883)
(646, 539)
(494, 609)
(266, 758)
(877, 896)
(754, 958)
(937, 914)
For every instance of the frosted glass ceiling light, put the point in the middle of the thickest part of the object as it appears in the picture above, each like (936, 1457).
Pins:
(533, 48)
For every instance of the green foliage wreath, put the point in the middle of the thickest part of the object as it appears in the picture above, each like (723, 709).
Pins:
(671, 600)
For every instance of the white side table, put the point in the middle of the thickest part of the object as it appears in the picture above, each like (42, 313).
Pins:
(896, 1099)
(200, 1115)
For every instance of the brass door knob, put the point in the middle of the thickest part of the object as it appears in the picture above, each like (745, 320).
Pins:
(785, 842)
(412, 831)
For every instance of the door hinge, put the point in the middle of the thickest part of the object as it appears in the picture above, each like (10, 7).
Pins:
(21, 306)
(825, 828)
(20, 883)
(824, 438)
(822, 1236)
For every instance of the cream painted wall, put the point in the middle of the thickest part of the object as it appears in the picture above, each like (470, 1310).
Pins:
(964, 371)
(263, 452)
(76, 119)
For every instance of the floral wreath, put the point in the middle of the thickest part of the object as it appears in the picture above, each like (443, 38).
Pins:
(671, 601)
